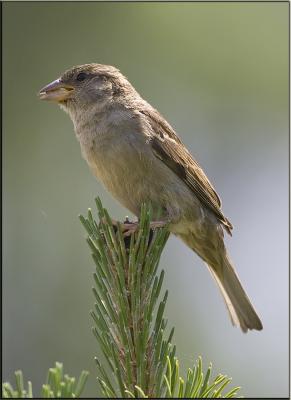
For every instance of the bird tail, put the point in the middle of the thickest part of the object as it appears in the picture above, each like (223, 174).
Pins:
(240, 308)
(213, 252)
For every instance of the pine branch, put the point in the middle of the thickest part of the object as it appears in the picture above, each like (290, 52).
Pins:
(129, 323)
(126, 291)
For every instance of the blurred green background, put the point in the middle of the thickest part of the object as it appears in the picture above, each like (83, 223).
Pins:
(219, 74)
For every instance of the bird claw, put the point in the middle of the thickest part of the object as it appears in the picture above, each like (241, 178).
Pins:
(128, 227)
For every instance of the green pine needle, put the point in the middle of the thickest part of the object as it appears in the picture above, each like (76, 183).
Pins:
(58, 385)
(129, 315)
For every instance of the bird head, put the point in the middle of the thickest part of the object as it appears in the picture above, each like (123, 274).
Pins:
(81, 86)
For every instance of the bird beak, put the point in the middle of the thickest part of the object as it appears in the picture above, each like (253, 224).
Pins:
(56, 91)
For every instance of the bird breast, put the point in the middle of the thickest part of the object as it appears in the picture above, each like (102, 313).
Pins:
(122, 159)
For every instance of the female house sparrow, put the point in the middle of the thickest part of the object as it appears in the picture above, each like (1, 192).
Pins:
(139, 158)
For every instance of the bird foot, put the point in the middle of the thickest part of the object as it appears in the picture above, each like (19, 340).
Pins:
(128, 228)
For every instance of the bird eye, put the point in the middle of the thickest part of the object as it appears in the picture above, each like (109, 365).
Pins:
(81, 76)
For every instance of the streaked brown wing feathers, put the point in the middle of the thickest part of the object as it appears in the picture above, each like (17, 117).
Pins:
(169, 149)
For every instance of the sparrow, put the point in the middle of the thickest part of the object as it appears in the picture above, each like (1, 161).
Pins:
(139, 158)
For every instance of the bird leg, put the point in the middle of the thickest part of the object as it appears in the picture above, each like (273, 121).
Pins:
(128, 227)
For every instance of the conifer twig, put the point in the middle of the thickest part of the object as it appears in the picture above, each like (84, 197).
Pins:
(129, 321)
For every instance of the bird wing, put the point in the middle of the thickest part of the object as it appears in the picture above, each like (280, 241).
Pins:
(170, 150)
